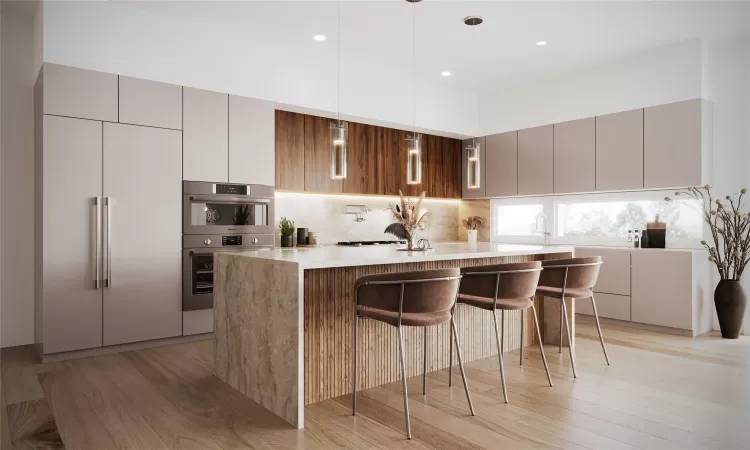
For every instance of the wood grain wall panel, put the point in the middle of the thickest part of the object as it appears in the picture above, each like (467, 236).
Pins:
(364, 167)
(328, 325)
(318, 156)
(394, 158)
(290, 151)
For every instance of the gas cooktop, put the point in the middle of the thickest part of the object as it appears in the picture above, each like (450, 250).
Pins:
(364, 243)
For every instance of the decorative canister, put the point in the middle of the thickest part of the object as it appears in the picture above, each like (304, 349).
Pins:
(312, 238)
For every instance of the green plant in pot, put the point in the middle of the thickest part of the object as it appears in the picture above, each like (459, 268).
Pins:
(729, 251)
(286, 228)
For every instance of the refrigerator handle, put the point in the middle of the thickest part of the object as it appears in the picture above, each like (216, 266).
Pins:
(98, 262)
(108, 280)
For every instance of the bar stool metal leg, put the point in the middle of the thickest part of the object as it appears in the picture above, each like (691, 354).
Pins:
(541, 345)
(424, 367)
(500, 356)
(403, 381)
(599, 329)
(570, 340)
(354, 366)
(559, 350)
(522, 326)
(502, 331)
(461, 366)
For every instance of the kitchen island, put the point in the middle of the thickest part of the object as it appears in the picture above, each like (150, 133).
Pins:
(283, 320)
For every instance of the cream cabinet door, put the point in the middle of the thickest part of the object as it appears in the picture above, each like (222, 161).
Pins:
(206, 136)
(662, 290)
(619, 151)
(535, 161)
(143, 185)
(150, 103)
(502, 165)
(72, 181)
(251, 141)
(672, 147)
(614, 273)
(575, 156)
(607, 305)
(480, 191)
(81, 93)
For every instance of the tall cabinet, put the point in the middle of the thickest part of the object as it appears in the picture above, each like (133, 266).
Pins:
(108, 214)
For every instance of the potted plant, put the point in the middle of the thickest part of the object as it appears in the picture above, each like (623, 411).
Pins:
(408, 219)
(472, 224)
(729, 251)
(286, 228)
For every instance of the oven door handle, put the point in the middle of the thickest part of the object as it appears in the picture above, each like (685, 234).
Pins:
(225, 199)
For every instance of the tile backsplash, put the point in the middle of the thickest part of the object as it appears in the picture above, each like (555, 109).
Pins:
(324, 215)
(479, 208)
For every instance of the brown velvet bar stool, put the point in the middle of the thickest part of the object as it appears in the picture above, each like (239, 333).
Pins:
(502, 287)
(572, 278)
(413, 299)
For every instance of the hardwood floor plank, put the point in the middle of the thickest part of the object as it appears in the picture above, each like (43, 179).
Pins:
(20, 384)
(32, 426)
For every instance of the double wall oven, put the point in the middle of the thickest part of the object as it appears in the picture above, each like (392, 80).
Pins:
(220, 217)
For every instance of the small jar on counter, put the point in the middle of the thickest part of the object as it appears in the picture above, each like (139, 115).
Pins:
(312, 238)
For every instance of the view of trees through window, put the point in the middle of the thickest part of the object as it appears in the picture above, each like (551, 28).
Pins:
(614, 219)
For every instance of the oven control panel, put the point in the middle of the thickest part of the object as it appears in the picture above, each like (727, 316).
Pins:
(231, 240)
(232, 189)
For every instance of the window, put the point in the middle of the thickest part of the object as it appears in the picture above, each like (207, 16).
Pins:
(517, 220)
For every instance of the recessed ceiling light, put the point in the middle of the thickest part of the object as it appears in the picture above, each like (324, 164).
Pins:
(319, 37)
(473, 21)
(445, 73)
(541, 43)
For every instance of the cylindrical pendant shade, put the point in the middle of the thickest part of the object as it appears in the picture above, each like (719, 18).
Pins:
(473, 166)
(414, 159)
(338, 150)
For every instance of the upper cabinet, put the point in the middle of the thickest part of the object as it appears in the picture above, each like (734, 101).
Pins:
(480, 192)
(502, 165)
(251, 141)
(619, 151)
(535, 160)
(318, 156)
(574, 156)
(150, 103)
(672, 145)
(205, 155)
(290, 151)
(79, 93)
(364, 164)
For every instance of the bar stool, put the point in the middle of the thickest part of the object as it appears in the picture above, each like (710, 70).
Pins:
(572, 278)
(502, 287)
(414, 299)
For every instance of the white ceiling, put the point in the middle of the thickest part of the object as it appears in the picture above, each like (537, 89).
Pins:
(377, 35)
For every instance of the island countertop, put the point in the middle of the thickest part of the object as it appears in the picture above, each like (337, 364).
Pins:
(329, 256)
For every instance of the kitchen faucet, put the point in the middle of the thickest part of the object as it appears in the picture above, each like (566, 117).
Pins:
(541, 225)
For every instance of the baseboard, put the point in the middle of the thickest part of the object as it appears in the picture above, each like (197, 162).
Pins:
(63, 356)
(585, 318)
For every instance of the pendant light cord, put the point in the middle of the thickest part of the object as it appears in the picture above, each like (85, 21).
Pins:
(338, 70)
(414, 69)
(476, 121)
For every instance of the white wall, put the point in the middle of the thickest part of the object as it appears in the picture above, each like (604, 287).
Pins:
(169, 43)
(16, 179)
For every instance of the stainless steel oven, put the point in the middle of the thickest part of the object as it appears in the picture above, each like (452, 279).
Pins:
(198, 263)
(222, 208)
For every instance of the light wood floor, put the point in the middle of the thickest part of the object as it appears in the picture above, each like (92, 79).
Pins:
(662, 392)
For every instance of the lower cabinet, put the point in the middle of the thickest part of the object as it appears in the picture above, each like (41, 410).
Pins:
(197, 322)
(611, 306)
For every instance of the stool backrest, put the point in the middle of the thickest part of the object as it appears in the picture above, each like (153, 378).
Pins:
(424, 292)
(510, 280)
(581, 272)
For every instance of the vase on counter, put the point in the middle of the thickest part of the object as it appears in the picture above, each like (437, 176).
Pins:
(472, 236)
(730, 302)
(287, 241)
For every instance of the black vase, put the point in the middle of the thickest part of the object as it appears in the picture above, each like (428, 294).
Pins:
(730, 301)
(287, 241)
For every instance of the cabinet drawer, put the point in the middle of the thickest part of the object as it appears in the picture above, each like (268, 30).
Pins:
(608, 305)
(614, 274)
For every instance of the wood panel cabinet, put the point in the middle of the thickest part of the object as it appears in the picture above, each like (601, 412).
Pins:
(318, 156)
(479, 192)
(672, 145)
(502, 165)
(150, 103)
(81, 93)
(364, 164)
(206, 136)
(394, 160)
(619, 151)
(251, 141)
(290, 151)
(535, 161)
(143, 300)
(442, 167)
(575, 156)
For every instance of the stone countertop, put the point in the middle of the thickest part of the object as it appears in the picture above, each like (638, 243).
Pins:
(342, 256)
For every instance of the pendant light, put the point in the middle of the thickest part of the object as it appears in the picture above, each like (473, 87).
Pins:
(339, 129)
(473, 150)
(414, 141)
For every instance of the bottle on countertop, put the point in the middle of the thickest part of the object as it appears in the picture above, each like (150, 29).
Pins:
(644, 239)
(637, 238)
(630, 238)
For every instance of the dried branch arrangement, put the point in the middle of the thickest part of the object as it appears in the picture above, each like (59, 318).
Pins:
(472, 222)
(730, 230)
(408, 219)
